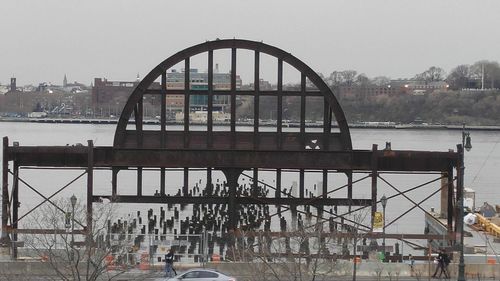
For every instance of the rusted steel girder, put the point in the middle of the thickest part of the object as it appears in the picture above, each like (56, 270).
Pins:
(46, 231)
(239, 200)
(4, 239)
(233, 45)
(359, 160)
(339, 234)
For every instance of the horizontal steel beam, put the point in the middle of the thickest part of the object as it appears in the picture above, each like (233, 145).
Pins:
(181, 92)
(46, 231)
(76, 156)
(239, 200)
(371, 235)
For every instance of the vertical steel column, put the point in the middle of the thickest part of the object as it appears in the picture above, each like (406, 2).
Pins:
(232, 176)
(233, 97)
(163, 126)
(303, 111)
(185, 188)
(302, 127)
(255, 178)
(114, 181)
(349, 185)
(5, 191)
(301, 183)
(139, 115)
(163, 108)
(277, 192)
(460, 214)
(325, 184)
(256, 102)
(90, 187)
(374, 181)
(187, 90)
(327, 124)
(15, 207)
(278, 184)
(162, 181)
(279, 110)
(324, 192)
(209, 178)
(210, 109)
(139, 181)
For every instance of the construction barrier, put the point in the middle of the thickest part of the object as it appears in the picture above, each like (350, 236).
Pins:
(144, 264)
(215, 258)
(110, 262)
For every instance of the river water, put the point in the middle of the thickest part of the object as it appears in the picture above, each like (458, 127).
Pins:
(481, 174)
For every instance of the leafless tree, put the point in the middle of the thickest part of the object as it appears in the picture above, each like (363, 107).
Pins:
(349, 77)
(358, 219)
(379, 269)
(298, 255)
(73, 255)
(459, 77)
(381, 81)
(432, 74)
(487, 72)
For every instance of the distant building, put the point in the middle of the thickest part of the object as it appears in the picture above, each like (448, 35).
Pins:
(13, 84)
(199, 81)
(264, 85)
(395, 87)
(4, 89)
(106, 92)
(418, 87)
(371, 90)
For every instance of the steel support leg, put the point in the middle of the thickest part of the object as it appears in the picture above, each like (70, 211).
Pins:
(5, 192)
(90, 188)
(374, 181)
(15, 208)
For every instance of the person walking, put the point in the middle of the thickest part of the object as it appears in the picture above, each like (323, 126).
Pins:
(442, 263)
(411, 262)
(169, 264)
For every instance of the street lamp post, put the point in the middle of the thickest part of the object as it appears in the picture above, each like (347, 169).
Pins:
(466, 140)
(466, 144)
(383, 201)
(73, 203)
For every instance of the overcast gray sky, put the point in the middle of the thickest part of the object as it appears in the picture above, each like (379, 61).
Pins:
(41, 40)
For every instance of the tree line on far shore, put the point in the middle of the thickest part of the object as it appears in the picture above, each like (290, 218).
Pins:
(472, 96)
(481, 74)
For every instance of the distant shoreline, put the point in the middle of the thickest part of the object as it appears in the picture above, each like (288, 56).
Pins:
(364, 125)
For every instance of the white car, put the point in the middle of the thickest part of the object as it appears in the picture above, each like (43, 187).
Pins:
(201, 275)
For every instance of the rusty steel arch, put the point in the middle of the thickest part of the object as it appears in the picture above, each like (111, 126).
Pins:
(331, 141)
(233, 152)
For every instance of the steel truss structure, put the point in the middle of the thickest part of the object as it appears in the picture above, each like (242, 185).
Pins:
(232, 152)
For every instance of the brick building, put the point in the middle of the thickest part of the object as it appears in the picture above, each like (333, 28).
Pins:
(115, 93)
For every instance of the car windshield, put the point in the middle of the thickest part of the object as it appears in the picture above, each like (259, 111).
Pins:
(208, 274)
(191, 274)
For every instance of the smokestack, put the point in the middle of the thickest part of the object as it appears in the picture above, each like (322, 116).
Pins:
(216, 68)
(13, 85)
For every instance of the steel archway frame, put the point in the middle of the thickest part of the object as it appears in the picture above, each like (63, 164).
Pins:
(260, 47)
(231, 160)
